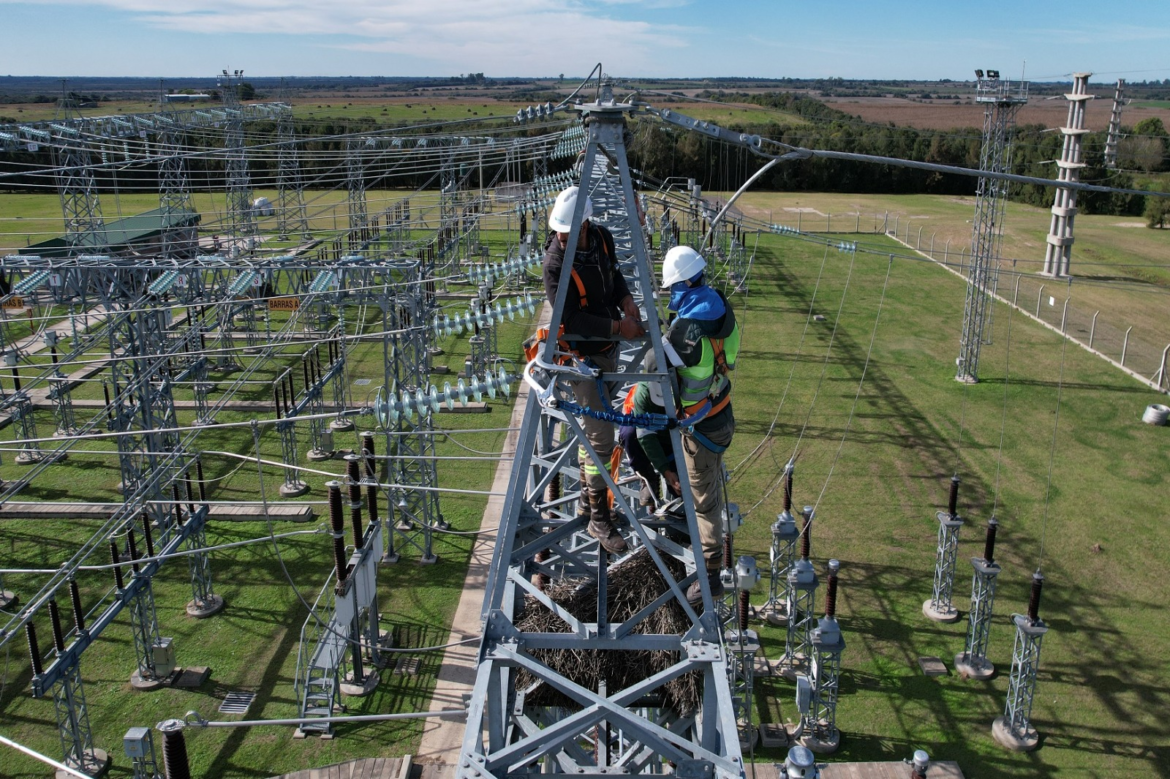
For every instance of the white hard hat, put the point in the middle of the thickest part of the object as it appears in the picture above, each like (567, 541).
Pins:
(561, 217)
(681, 263)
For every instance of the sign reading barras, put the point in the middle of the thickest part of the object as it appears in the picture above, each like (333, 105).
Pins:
(284, 304)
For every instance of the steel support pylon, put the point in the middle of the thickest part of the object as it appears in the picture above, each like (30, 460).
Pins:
(1114, 135)
(605, 729)
(1001, 101)
(1014, 729)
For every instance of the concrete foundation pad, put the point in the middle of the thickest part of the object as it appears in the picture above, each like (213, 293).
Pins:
(964, 666)
(747, 738)
(294, 490)
(354, 690)
(1009, 740)
(95, 764)
(318, 455)
(822, 746)
(206, 608)
(192, 677)
(773, 736)
(145, 685)
(940, 615)
(932, 666)
(341, 424)
(28, 458)
(431, 560)
(8, 599)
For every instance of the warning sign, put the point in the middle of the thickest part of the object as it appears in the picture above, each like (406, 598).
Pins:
(284, 304)
(14, 302)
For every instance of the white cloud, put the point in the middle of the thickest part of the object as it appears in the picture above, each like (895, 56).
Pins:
(496, 36)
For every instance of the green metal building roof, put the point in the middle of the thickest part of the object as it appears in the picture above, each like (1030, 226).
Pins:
(121, 234)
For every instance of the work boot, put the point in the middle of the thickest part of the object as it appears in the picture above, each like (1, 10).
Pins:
(695, 591)
(601, 524)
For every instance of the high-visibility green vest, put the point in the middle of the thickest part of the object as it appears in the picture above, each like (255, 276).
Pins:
(708, 378)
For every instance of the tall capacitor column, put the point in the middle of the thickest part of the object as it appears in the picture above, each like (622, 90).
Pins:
(1058, 253)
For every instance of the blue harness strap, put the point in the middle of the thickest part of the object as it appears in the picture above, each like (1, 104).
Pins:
(708, 443)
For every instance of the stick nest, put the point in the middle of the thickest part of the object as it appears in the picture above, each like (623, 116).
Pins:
(632, 585)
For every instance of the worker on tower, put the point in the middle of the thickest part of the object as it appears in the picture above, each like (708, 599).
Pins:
(649, 452)
(599, 310)
(701, 346)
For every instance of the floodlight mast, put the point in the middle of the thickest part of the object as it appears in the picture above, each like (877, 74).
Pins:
(505, 733)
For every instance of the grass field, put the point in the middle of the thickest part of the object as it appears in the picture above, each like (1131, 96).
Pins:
(404, 110)
(874, 456)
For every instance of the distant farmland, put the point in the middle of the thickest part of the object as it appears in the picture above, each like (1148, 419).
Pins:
(945, 115)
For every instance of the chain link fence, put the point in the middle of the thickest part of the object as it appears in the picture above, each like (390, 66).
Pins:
(1138, 353)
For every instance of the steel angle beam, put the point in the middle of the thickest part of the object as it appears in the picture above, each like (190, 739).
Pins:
(507, 734)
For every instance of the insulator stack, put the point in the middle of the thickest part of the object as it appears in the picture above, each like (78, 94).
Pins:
(743, 611)
(953, 501)
(201, 481)
(371, 474)
(788, 472)
(78, 611)
(177, 504)
(831, 590)
(132, 545)
(1034, 600)
(728, 562)
(55, 619)
(806, 533)
(147, 535)
(117, 568)
(337, 524)
(989, 543)
(34, 649)
(190, 501)
(354, 475)
(175, 761)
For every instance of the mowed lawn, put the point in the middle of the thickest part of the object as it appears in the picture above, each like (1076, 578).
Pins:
(876, 457)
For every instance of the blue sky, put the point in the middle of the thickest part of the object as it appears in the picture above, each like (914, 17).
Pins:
(850, 39)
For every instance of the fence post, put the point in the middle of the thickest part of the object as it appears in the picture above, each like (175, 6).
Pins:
(897, 219)
(798, 214)
(932, 246)
(947, 253)
(857, 227)
(1063, 316)
(1161, 378)
(828, 222)
(1125, 345)
(1039, 295)
(1016, 294)
(1093, 328)
(918, 243)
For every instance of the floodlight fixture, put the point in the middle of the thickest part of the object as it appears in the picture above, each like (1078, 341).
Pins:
(979, 74)
(993, 74)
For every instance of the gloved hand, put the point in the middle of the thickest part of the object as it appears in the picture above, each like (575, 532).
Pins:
(672, 482)
(630, 327)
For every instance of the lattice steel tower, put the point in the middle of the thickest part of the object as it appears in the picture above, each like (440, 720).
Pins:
(1058, 253)
(241, 219)
(1014, 729)
(291, 217)
(1001, 101)
(973, 661)
(1114, 125)
(174, 186)
(939, 606)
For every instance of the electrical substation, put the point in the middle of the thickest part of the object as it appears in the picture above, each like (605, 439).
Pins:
(296, 354)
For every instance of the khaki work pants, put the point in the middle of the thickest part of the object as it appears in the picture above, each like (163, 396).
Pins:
(598, 433)
(705, 473)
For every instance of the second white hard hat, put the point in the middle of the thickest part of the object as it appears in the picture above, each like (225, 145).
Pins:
(681, 264)
(560, 219)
